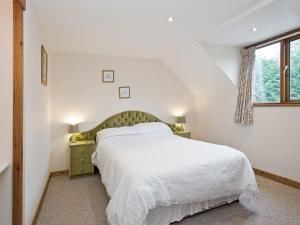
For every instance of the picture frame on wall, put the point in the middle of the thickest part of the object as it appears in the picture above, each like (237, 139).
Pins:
(124, 92)
(44, 66)
(108, 76)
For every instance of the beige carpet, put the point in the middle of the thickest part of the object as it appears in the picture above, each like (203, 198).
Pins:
(83, 201)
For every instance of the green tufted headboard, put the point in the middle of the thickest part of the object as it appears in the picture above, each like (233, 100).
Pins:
(128, 118)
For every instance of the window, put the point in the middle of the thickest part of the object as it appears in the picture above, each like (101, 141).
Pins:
(294, 70)
(267, 74)
(277, 72)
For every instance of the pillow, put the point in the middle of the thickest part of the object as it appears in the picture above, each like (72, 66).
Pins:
(153, 127)
(138, 129)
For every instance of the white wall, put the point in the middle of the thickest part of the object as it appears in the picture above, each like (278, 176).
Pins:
(191, 64)
(6, 103)
(77, 92)
(272, 143)
(36, 117)
(227, 59)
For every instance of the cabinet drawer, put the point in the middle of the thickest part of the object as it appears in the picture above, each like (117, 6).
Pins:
(80, 161)
(186, 135)
(81, 169)
(81, 151)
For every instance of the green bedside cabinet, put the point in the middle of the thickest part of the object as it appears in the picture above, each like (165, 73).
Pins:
(80, 158)
(186, 134)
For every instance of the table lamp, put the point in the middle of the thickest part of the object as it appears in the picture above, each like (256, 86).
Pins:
(180, 120)
(73, 129)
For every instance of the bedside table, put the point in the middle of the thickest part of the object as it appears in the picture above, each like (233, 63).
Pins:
(80, 157)
(186, 134)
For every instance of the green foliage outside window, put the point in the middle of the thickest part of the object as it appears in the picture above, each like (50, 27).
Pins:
(295, 70)
(267, 74)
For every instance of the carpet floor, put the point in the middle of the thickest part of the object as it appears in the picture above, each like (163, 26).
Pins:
(82, 201)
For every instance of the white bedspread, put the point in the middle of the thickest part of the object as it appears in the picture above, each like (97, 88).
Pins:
(142, 171)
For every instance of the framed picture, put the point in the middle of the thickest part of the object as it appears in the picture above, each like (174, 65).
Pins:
(44, 66)
(108, 76)
(124, 92)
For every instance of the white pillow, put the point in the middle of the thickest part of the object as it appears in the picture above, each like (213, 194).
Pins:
(153, 127)
(138, 129)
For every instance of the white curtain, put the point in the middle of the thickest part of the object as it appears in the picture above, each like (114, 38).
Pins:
(244, 109)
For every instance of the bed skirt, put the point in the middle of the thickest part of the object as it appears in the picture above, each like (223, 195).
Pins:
(164, 215)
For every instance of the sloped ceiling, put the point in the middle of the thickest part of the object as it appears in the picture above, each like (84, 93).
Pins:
(270, 19)
(139, 28)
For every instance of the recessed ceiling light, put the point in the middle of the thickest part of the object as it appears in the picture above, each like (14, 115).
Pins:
(254, 29)
(171, 19)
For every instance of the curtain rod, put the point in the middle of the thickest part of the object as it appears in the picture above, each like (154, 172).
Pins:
(275, 39)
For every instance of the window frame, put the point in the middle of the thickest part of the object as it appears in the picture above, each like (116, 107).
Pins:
(284, 40)
(287, 75)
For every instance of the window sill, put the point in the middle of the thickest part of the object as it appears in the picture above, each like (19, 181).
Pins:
(292, 104)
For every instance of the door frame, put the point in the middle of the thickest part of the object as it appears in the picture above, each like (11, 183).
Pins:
(19, 7)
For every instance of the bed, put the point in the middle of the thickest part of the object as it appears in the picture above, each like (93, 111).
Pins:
(154, 177)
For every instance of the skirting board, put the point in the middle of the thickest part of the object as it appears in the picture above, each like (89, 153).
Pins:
(52, 174)
(277, 178)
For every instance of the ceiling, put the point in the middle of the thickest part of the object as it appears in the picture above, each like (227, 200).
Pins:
(140, 28)
(271, 18)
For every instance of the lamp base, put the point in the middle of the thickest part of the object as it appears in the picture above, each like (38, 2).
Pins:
(179, 127)
(73, 138)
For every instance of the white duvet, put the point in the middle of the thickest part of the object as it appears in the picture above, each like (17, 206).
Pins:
(146, 165)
